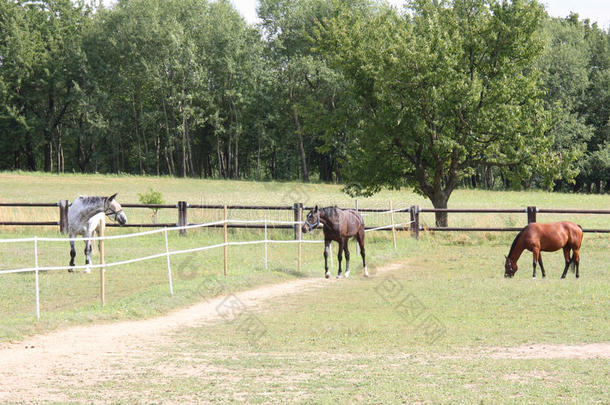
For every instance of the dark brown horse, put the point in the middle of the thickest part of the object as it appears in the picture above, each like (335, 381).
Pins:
(339, 225)
(537, 237)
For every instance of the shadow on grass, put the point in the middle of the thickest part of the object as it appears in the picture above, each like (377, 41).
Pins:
(292, 272)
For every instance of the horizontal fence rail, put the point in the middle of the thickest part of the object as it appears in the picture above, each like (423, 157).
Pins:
(414, 226)
(182, 226)
(167, 253)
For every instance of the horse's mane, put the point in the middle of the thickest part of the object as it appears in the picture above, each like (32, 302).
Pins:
(91, 200)
(515, 241)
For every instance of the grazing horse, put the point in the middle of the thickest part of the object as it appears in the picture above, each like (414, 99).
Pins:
(86, 216)
(339, 225)
(537, 237)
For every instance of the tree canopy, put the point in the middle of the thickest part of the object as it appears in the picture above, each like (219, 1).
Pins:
(442, 94)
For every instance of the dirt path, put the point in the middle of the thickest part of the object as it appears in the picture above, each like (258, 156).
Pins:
(549, 351)
(89, 351)
(86, 355)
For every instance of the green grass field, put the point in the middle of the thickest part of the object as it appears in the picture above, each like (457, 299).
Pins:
(423, 333)
(354, 342)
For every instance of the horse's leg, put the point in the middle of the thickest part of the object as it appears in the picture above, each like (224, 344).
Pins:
(88, 248)
(340, 242)
(360, 239)
(541, 266)
(536, 254)
(326, 248)
(72, 252)
(576, 259)
(566, 255)
(346, 248)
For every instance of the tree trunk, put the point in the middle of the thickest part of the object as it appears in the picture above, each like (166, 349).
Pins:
(158, 152)
(219, 153)
(301, 146)
(236, 156)
(258, 159)
(29, 151)
(183, 143)
(48, 152)
(441, 217)
(60, 153)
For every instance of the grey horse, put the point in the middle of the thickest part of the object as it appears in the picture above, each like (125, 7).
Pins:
(87, 216)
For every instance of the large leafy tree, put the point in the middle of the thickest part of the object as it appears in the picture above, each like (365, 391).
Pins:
(445, 87)
(596, 109)
(41, 71)
(311, 97)
(565, 76)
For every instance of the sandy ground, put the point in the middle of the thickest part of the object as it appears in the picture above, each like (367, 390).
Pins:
(84, 354)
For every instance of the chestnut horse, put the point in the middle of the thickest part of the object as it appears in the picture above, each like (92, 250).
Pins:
(339, 225)
(537, 237)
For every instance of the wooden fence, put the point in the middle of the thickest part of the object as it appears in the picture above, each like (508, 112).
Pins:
(414, 227)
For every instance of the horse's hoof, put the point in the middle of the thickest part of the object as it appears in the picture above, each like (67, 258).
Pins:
(346, 274)
(87, 270)
(70, 271)
(338, 276)
(327, 275)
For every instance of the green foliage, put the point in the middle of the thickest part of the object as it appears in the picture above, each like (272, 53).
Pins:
(151, 197)
(443, 89)
(449, 93)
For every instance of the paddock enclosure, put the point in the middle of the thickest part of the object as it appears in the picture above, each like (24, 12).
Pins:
(437, 322)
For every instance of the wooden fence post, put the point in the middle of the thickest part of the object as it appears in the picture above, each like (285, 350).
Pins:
(393, 227)
(531, 214)
(182, 220)
(63, 216)
(226, 247)
(298, 218)
(414, 211)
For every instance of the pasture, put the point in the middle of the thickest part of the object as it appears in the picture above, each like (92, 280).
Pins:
(437, 323)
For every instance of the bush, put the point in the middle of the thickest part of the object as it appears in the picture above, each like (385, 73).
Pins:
(152, 197)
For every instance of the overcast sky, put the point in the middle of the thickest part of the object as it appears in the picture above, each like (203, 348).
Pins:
(595, 10)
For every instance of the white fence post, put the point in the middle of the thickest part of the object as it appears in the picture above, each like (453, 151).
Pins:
(266, 243)
(36, 277)
(393, 227)
(169, 267)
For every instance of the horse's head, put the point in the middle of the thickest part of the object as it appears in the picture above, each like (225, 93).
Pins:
(113, 209)
(312, 221)
(510, 268)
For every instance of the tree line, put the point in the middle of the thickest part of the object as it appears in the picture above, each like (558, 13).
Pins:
(445, 94)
